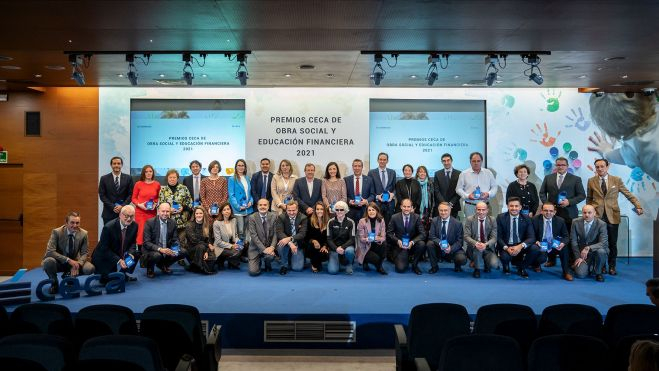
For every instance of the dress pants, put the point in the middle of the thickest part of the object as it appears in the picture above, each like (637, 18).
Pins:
(594, 262)
(230, 255)
(483, 259)
(52, 266)
(564, 254)
(160, 260)
(255, 263)
(401, 256)
(375, 255)
(612, 233)
(317, 258)
(562, 212)
(523, 259)
(436, 254)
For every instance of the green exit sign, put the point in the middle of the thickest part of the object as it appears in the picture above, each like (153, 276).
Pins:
(3, 157)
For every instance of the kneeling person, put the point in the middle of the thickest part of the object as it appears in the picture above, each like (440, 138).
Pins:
(261, 231)
(445, 240)
(405, 232)
(516, 239)
(117, 245)
(161, 242)
(590, 245)
(341, 240)
(551, 234)
(291, 228)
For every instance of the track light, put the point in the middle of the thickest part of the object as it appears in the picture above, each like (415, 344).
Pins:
(538, 79)
(188, 72)
(492, 70)
(432, 73)
(648, 91)
(378, 72)
(132, 70)
(77, 61)
(241, 73)
(533, 60)
(599, 93)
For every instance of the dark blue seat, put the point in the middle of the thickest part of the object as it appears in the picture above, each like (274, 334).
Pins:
(577, 319)
(120, 352)
(104, 319)
(479, 352)
(42, 318)
(52, 353)
(514, 320)
(569, 352)
(630, 319)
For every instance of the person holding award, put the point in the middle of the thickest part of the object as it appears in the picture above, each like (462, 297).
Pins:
(316, 239)
(406, 236)
(161, 244)
(476, 184)
(307, 190)
(384, 180)
(372, 235)
(282, 187)
(552, 234)
(199, 242)
(178, 196)
(213, 190)
(445, 240)
(334, 187)
(240, 196)
(145, 199)
(359, 190)
(117, 246)
(228, 244)
(114, 190)
(193, 181)
(409, 188)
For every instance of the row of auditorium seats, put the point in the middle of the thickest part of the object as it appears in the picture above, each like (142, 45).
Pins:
(46, 336)
(509, 337)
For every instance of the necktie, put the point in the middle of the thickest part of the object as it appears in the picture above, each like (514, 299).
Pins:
(447, 179)
(383, 179)
(548, 233)
(196, 188)
(265, 228)
(482, 232)
(123, 238)
(515, 235)
(406, 223)
(163, 234)
(293, 231)
(116, 183)
(70, 247)
(560, 180)
(587, 228)
(265, 186)
(603, 185)
(357, 191)
(443, 229)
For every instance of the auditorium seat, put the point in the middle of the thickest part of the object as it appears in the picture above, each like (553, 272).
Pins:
(478, 352)
(177, 330)
(430, 326)
(577, 319)
(4, 322)
(569, 352)
(630, 319)
(624, 346)
(42, 318)
(514, 320)
(29, 351)
(104, 319)
(120, 352)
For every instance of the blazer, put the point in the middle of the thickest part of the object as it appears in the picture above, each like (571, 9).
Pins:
(524, 229)
(608, 203)
(396, 228)
(152, 234)
(377, 182)
(596, 238)
(301, 193)
(188, 181)
(224, 239)
(256, 186)
(454, 234)
(283, 227)
(261, 238)
(472, 236)
(366, 188)
(413, 193)
(58, 245)
(558, 228)
(363, 229)
(237, 193)
(109, 249)
(444, 192)
(109, 195)
(573, 188)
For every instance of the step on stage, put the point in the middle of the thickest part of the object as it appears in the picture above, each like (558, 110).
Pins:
(351, 311)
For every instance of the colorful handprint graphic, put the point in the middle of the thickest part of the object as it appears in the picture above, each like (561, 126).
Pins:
(544, 137)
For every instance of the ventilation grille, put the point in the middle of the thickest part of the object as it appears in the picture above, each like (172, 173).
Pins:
(309, 331)
(204, 326)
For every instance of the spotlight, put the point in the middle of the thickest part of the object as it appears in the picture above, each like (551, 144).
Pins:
(241, 73)
(648, 91)
(132, 70)
(432, 77)
(599, 93)
(378, 71)
(492, 70)
(188, 72)
(538, 79)
(491, 78)
(76, 62)
(533, 60)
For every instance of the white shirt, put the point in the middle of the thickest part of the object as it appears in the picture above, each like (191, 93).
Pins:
(310, 186)
(469, 180)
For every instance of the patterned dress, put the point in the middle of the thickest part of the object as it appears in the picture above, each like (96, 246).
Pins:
(334, 191)
(182, 197)
(213, 191)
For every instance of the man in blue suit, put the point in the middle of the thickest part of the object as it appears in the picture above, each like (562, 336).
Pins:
(115, 190)
(384, 181)
(516, 239)
(361, 186)
(261, 182)
(550, 229)
(445, 240)
(161, 242)
(405, 236)
(307, 190)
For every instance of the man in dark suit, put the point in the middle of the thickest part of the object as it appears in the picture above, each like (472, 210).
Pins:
(404, 233)
(360, 185)
(161, 242)
(570, 189)
(117, 242)
(516, 239)
(261, 183)
(193, 182)
(67, 251)
(263, 240)
(445, 240)
(445, 182)
(590, 246)
(307, 190)
(480, 238)
(384, 181)
(291, 228)
(550, 231)
(115, 190)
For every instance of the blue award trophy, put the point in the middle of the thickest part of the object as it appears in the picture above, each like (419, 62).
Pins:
(477, 193)
(215, 210)
(149, 204)
(288, 198)
(128, 260)
(562, 196)
(371, 236)
(406, 241)
(385, 196)
(176, 205)
(176, 248)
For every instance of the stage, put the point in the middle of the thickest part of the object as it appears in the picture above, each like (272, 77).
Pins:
(241, 303)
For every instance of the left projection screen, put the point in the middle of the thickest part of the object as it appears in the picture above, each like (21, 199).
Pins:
(169, 133)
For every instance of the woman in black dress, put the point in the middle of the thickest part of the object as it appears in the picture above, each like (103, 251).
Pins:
(316, 238)
(525, 190)
(199, 242)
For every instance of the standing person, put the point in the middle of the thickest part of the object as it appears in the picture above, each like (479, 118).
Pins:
(372, 236)
(240, 196)
(67, 251)
(524, 190)
(199, 242)
(316, 239)
(115, 190)
(307, 190)
(334, 187)
(117, 243)
(480, 238)
(341, 239)
(406, 235)
(384, 180)
(261, 230)
(445, 240)
(408, 187)
(476, 184)
(291, 228)
(214, 189)
(359, 190)
(427, 196)
(178, 196)
(589, 244)
(226, 245)
(602, 193)
(516, 239)
(145, 199)
(446, 181)
(161, 243)
(566, 191)
(193, 181)
(282, 187)
(262, 181)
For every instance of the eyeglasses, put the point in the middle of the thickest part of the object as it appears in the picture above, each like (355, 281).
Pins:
(339, 210)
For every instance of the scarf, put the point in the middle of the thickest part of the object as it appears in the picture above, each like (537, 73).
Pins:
(424, 195)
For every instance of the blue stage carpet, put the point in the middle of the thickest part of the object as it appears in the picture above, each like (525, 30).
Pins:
(232, 296)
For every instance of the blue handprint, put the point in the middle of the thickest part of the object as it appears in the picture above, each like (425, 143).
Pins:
(578, 121)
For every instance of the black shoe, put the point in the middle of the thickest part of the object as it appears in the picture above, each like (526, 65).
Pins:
(66, 274)
(612, 271)
(457, 268)
(599, 278)
(416, 270)
(382, 271)
(433, 270)
(522, 272)
(53, 290)
(150, 273)
(268, 268)
(365, 267)
(487, 270)
(477, 273)
(283, 271)
(506, 270)
(244, 259)
(128, 278)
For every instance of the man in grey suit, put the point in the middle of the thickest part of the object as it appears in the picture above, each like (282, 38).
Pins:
(590, 245)
(193, 182)
(291, 228)
(67, 251)
(480, 239)
(570, 190)
(307, 190)
(161, 242)
(446, 180)
(261, 230)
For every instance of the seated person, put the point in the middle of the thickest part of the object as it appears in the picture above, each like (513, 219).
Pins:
(199, 242)
(480, 238)
(67, 251)
(445, 240)
(227, 245)
(590, 245)
(551, 234)
(117, 243)
(341, 239)
(291, 228)
(516, 239)
(372, 234)
(316, 239)
(261, 232)
(404, 233)
(161, 243)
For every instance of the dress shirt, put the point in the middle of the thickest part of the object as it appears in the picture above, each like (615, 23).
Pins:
(163, 233)
(469, 180)
(310, 186)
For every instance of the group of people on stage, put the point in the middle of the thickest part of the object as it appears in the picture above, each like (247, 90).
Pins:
(207, 220)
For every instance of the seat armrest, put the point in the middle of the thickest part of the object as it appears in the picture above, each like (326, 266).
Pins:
(186, 363)
(214, 344)
(402, 353)
(421, 364)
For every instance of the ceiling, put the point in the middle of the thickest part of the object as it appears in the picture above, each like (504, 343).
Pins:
(329, 34)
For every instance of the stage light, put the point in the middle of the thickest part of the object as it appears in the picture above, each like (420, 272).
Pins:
(491, 78)
(599, 93)
(432, 77)
(378, 72)
(538, 79)
(132, 70)
(491, 73)
(77, 61)
(241, 73)
(188, 72)
(533, 60)
(648, 91)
